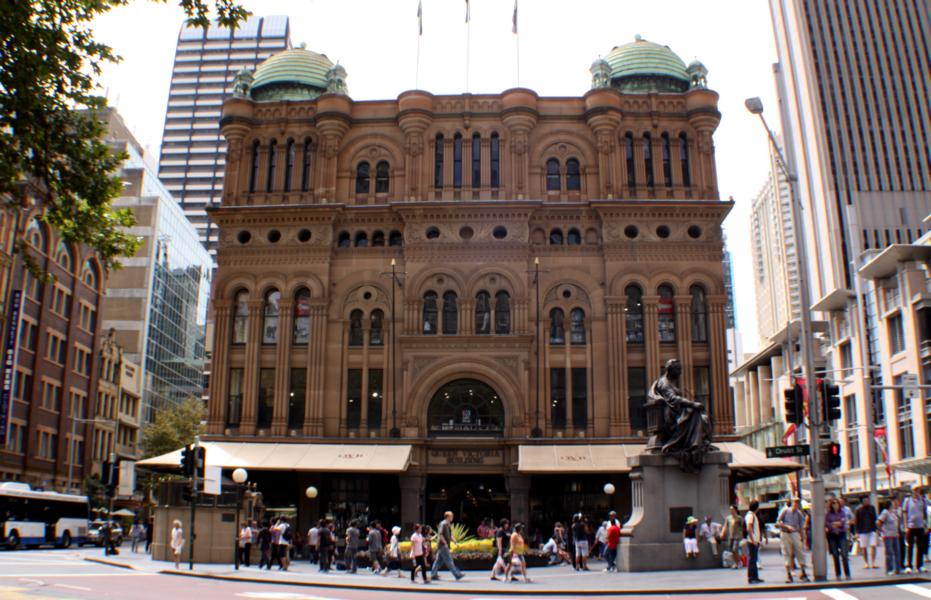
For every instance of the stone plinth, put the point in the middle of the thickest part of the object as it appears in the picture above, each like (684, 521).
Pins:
(663, 497)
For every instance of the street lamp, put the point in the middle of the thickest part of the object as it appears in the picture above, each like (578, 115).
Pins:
(609, 489)
(311, 492)
(240, 476)
(396, 282)
(819, 562)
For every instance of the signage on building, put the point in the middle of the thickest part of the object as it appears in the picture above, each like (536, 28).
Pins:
(464, 457)
(9, 362)
(910, 386)
(783, 451)
(212, 475)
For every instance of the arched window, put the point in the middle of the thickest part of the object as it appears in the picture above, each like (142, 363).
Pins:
(382, 177)
(254, 169)
(629, 159)
(556, 238)
(429, 313)
(35, 235)
(574, 237)
(344, 240)
(502, 313)
(355, 328)
(667, 164)
(684, 160)
(633, 314)
(63, 256)
(666, 314)
(552, 175)
(305, 168)
(495, 161)
(457, 160)
(648, 158)
(270, 317)
(362, 178)
(476, 161)
(395, 238)
(301, 334)
(450, 313)
(376, 321)
(577, 326)
(438, 161)
(557, 326)
(288, 165)
(90, 275)
(573, 175)
(272, 166)
(378, 238)
(362, 239)
(699, 314)
(465, 407)
(241, 317)
(483, 313)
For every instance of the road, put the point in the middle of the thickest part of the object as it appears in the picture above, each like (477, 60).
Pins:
(64, 574)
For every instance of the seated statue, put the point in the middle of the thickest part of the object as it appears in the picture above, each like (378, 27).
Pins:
(686, 428)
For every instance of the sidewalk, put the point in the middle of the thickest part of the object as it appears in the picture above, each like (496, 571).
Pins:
(545, 580)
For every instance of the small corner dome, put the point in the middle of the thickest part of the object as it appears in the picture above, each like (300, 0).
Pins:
(295, 74)
(644, 66)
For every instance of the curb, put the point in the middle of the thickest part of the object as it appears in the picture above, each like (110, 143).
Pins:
(111, 563)
(812, 586)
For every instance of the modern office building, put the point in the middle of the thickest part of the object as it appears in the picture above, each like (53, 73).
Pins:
(116, 416)
(193, 151)
(156, 304)
(460, 301)
(854, 100)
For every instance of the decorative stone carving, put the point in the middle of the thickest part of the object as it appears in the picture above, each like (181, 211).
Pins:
(698, 75)
(601, 74)
(336, 80)
(242, 84)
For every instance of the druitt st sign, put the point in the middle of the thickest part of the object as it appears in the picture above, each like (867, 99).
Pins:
(785, 451)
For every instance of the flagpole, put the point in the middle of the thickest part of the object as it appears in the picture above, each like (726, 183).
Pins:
(468, 47)
(516, 33)
(419, 35)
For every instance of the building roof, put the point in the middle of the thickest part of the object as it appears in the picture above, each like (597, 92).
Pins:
(642, 58)
(293, 69)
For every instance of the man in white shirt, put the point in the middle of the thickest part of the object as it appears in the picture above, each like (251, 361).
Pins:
(754, 539)
(710, 532)
(313, 542)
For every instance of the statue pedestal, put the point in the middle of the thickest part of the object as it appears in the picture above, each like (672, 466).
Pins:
(664, 496)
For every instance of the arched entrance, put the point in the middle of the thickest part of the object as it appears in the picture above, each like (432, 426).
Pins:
(465, 407)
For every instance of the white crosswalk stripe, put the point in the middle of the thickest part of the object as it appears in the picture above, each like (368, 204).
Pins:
(838, 594)
(915, 589)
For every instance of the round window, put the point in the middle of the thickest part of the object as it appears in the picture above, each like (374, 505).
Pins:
(631, 231)
(500, 232)
(274, 235)
(432, 233)
(243, 237)
(466, 233)
(694, 232)
(303, 235)
(662, 231)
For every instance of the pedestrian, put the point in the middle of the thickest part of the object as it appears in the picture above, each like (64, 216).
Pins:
(275, 542)
(791, 523)
(417, 554)
(690, 537)
(835, 527)
(394, 552)
(914, 513)
(734, 534)
(580, 540)
(865, 523)
(265, 546)
(502, 547)
(601, 538)
(612, 540)
(177, 542)
(754, 539)
(375, 546)
(518, 549)
(284, 544)
(325, 545)
(849, 517)
(710, 532)
(483, 531)
(245, 543)
(136, 534)
(148, 535)
(352, 546)
(888, 524)
(313, 544)
(556, 546)
(444, 540)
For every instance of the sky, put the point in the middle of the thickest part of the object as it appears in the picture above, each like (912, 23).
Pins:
(377, 42)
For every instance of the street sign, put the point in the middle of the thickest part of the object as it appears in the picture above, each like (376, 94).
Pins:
(910, 386)
(784, 451)
(212, 475)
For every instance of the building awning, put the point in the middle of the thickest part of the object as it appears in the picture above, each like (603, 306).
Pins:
(921, 466)
(747, 463)
(361, 458)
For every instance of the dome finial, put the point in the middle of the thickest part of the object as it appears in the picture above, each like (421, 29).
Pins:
(638, 38)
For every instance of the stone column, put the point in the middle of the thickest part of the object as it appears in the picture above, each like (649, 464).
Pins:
(717, 345)
(519, 489)
(486, 168)
(684, 340)
(313, 409)
(640, 167)
(651, 336)
(250, 378)
(282, 368)
(413, 488)
(617, 361)
(364, 400)
(467, 317)
(220, 366)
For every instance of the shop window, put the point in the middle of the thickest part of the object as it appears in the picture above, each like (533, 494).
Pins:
(234, 398)
(296, 398)
(558, 398)
(465, 407)
(633, 314)
(579, 397)
(666, 314)
(301, 334)
(354, 398)
(266, 398)
(373, 412)
(699, 314)
(271, 317)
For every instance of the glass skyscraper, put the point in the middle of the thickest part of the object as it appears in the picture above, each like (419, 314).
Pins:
(193, 153)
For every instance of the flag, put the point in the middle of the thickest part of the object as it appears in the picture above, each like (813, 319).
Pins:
(420, 17)
(467, 11)
(514, 19)
(789, 431)
(879, 434)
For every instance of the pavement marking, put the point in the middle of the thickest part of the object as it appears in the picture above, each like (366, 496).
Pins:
(838, 594)
(281, 596)
(132, 574)
(72, 587)
(915, 589)
(35, 581)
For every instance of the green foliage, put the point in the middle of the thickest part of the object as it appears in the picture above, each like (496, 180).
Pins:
(460, 533)
(173, 428)
(50, 137)
(96, 491)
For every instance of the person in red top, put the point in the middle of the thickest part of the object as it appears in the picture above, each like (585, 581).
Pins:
(613, 539)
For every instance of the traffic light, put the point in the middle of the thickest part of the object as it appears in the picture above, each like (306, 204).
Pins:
(830, 400)
(830, 456)
(835, 456)
(187, 461)
(793, 405)
(200, 459)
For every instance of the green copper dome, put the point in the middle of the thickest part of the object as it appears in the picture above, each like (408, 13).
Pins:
(643, 66)
(295, 74)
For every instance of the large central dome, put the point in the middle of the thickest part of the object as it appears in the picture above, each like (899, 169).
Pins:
(295, 74)
(643, 66)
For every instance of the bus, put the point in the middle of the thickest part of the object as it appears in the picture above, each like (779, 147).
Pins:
(32, 518)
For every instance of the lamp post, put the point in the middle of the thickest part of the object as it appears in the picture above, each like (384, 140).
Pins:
(537, 432)
(240, 476)
(396, 282)
(818, 559)
(609, 489)
(311, 492)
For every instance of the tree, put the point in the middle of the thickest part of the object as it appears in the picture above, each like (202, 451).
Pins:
(50, 137)
(173, 428)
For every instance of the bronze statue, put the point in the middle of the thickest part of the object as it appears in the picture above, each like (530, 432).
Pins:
(685, 429)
